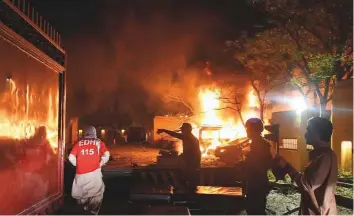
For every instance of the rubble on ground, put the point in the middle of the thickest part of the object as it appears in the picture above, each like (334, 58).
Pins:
(281, 201)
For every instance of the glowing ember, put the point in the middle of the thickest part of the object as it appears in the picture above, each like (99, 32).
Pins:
(22, 113)
(215, 129)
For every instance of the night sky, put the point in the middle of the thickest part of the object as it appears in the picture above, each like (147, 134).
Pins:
(123, 48)
(71, 17)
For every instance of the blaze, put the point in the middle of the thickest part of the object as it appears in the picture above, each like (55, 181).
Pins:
(215, 127)
(23, 112)
(210, 103)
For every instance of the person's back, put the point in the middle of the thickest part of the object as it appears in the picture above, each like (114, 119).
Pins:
(191, 150)
(88, 155)
(191, 154)
(257, 164)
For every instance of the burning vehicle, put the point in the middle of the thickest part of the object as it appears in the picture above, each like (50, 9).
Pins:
(214, 126)
(222, 136)
(234, 151)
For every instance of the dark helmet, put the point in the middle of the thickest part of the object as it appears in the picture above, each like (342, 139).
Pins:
(254, 124)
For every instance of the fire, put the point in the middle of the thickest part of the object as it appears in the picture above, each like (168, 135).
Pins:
(210, 104)
(22, 113)
(215, 129)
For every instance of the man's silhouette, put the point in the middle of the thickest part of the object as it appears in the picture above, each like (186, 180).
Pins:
(191, 153)
(89, 155)
(256, 165)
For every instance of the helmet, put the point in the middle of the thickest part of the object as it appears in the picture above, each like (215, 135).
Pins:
(254, 124)
(90, 132)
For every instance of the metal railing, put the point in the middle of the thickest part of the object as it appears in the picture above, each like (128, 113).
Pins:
(27, 12)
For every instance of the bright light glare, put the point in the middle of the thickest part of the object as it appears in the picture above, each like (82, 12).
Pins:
(297, 103)
(346, 155)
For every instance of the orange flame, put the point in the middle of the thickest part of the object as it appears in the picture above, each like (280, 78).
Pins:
(213, 116)
(22, 113)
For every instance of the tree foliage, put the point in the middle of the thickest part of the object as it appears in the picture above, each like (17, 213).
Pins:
(259, 58)
(310, 40)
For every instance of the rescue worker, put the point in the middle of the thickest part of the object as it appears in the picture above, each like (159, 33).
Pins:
(191, 153)
(255, 168)
(317, 183)
(89, 155)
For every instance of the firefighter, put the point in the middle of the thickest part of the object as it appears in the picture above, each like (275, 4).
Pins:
(255, 166)
(317, 183)
(191, 153)
(89, 155)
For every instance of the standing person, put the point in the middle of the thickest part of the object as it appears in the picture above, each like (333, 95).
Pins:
(317, 183)
(191, 153)
(255, 166)
(89, 155)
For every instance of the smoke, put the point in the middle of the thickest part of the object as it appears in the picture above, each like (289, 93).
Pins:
(135, 61)
(136, 58)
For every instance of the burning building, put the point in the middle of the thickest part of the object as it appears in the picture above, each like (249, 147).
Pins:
(32, 93)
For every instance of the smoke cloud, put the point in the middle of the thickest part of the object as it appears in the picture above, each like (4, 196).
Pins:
(126, 67)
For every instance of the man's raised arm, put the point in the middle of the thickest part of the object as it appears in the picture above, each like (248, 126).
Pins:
(171, 133)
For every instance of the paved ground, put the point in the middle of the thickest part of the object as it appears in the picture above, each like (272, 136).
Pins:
(124, 156)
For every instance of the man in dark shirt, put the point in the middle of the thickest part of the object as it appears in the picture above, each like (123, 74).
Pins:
(191, 152)
(256, 165)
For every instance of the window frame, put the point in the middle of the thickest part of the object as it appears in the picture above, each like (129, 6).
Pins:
(281, 146)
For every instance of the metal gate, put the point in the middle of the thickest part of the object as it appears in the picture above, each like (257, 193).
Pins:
(32, 84)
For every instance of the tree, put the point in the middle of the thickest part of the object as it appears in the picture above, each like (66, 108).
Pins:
(168, 98)
(320, 33)
(255, 55)
(231, 99)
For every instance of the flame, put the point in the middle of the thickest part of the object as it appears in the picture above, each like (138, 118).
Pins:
(216, 129)
(22, 113)
(210, 103)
